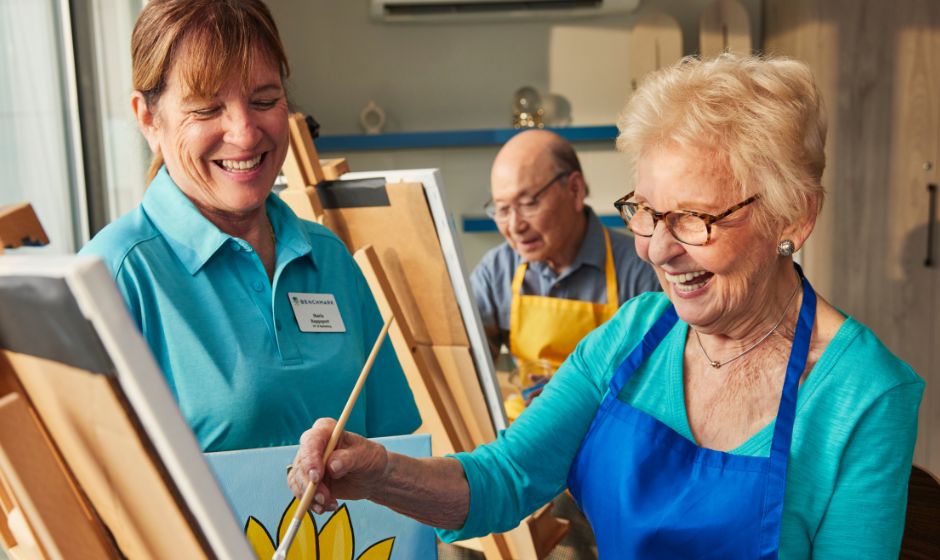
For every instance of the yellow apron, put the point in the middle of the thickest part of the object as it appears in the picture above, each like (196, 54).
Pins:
(548, 328)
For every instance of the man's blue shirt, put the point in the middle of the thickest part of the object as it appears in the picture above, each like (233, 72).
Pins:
(584, 280)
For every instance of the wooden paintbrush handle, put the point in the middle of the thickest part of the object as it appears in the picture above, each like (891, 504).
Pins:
(341, 423)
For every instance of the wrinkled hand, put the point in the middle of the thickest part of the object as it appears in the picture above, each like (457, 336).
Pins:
(355, 469)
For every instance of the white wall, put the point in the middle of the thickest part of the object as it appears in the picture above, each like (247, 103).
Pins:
(451, 76)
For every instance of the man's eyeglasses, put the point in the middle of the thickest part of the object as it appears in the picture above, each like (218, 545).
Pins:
(689, 227)
(525, 208)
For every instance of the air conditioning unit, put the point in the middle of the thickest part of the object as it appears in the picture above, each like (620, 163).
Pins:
(490, 10)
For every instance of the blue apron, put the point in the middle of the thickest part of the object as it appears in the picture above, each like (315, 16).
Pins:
(649, 492)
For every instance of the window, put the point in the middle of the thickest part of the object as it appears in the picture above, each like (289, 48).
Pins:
(39, 147)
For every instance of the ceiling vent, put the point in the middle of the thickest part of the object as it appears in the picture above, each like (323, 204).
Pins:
(489, 10)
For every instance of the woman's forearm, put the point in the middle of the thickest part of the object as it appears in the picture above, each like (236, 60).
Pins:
(432, 490)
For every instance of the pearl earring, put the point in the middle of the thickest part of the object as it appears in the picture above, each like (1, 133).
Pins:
(785, 248)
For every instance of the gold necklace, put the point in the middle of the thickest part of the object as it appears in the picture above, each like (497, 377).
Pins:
(716, 364)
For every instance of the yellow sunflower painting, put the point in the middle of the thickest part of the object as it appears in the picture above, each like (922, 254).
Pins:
(262, 505)
(334, 541)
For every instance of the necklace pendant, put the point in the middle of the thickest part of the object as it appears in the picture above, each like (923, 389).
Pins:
(715, 364)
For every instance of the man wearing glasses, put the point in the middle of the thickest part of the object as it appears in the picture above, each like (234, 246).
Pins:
(560, 273)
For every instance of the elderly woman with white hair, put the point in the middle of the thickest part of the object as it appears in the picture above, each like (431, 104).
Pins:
(735, 415)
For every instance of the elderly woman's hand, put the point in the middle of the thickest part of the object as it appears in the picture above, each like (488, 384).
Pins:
(355, 469)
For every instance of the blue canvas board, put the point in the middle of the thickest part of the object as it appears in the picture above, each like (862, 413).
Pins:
(254, 481)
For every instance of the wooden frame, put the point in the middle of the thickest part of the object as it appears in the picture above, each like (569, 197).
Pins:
(485, 370)
(56, 519)
(304, 170)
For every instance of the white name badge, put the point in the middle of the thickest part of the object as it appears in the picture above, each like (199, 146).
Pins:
(316, 312)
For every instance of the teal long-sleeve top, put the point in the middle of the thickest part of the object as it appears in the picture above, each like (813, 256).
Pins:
(853, 438)
(229, 341)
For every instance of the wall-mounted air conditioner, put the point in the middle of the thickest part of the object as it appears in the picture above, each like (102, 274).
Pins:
(489, 10)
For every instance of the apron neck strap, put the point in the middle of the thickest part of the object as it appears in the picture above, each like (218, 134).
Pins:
(610, 272)
(783, 427)
(799, 354)
(642, 351)
(517, 279)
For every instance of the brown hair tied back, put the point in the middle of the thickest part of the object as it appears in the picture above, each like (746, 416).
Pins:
(208, 40)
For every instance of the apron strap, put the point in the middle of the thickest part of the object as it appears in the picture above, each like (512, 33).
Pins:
(517, 279)
(642, 351)
(611, 273)
(786, 415)
(799, 353)
(514, 303)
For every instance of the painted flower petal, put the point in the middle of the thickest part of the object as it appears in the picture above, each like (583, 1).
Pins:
(304, 546)
(381, 550)
(336, 537)
(259, 539)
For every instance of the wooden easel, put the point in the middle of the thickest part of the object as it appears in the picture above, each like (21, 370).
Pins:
(304, 171)
(44, 513)
(430, 344)
(75, 480)
(439, 411)
(79, 475)
(19, 226)
(540, 532)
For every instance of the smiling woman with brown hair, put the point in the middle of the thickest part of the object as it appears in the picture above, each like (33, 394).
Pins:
(736, 415)
(222, 278)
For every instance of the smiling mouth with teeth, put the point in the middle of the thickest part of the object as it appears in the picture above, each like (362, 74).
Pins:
(240, 165)
(689, 281)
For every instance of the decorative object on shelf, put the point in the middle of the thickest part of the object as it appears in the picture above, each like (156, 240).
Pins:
(556, 110)
(527, 108)
(372, 118)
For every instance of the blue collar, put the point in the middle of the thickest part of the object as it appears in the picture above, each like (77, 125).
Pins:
(195, 239)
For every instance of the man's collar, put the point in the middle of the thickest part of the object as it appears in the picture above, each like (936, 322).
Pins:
(593, 251)
(195, 239)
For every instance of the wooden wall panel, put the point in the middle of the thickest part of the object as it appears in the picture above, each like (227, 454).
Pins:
(878, 68)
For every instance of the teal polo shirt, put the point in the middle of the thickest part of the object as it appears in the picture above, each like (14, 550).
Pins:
(243, 372)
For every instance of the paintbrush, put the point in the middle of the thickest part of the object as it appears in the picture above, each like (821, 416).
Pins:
(284, 546)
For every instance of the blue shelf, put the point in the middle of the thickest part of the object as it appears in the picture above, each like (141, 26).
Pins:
(453, 138)
(483, 224)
